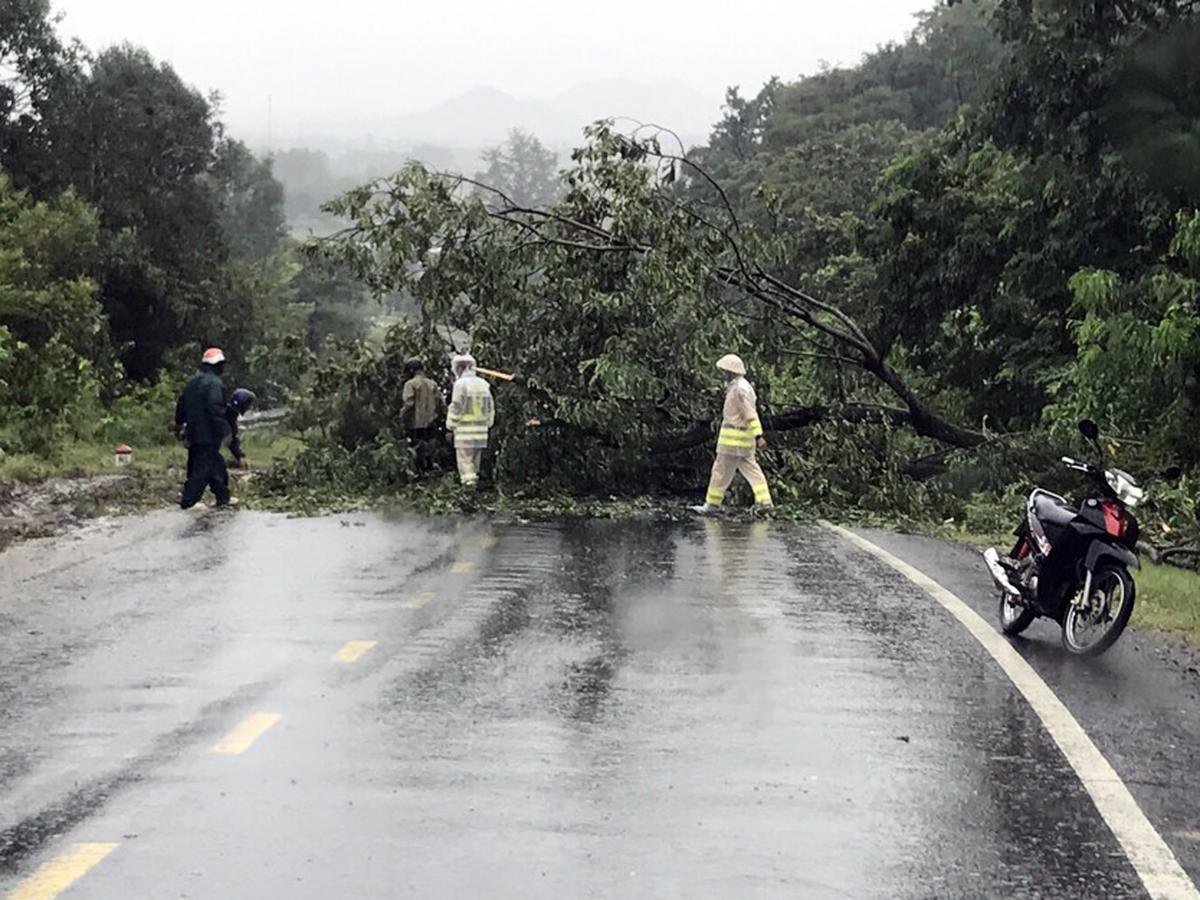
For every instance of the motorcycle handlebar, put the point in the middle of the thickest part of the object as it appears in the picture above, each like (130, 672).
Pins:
(1078, 466)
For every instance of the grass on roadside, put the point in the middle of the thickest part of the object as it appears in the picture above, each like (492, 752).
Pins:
(77, 460)
(1169, 599)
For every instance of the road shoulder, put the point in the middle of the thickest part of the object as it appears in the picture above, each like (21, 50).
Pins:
(1139, 703)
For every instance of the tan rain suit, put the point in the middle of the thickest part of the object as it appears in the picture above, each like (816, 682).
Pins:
(740, 431)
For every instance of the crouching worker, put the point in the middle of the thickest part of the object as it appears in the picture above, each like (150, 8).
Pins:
(200, 415)
(741, 434)
(239, 404)
(470, 415)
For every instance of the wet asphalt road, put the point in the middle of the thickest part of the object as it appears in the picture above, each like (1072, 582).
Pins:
(614, 710)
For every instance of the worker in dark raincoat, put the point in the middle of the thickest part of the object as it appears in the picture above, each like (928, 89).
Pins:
(239, 404)
(200, 419)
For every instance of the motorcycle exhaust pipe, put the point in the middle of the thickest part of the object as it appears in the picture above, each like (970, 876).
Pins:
(999, 575)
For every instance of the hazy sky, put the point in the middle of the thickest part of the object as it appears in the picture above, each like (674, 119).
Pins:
(330, 65)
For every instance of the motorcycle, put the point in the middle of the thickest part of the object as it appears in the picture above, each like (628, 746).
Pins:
(1071, 562)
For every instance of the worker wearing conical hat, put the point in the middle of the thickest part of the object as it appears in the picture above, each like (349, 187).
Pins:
(740, 437)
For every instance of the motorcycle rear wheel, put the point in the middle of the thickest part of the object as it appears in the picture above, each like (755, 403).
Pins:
(1110, 582)
(1014, 618)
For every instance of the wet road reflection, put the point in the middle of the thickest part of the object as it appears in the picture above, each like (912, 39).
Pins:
(714, 709)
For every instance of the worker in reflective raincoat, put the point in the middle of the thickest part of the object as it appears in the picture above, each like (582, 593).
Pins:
(740, 436)
(470, 414)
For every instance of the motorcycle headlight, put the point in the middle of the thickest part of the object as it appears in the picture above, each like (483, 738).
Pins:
(1125, 487)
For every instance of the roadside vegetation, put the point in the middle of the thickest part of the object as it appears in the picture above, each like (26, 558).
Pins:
(935, 262)
(1167, 600)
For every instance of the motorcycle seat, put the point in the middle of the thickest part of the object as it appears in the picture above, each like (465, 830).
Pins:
(1052, 509)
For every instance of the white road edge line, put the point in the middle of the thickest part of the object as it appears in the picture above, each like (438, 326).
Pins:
(1149, 854)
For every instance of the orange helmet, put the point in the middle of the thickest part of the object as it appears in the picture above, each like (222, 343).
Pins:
(212, 356)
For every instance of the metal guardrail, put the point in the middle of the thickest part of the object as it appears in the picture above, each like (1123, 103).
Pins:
(263, 418)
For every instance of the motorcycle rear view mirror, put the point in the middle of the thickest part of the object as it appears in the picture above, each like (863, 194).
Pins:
(1090, 430)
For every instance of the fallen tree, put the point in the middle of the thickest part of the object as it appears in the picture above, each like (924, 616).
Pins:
(616, 299)
(703, 433)
(1184, 557)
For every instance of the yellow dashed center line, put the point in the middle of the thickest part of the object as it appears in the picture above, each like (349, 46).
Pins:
(353, 651)
(421, 599)
(462, 567)
(246, 733)
(53, 877)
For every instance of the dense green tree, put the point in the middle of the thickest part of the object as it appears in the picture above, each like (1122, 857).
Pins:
(339, 307)
(1138, 348)
(522, 170)
(138, 143)
(37, 73)
(1153, 112)
(804, 159)
(192, 221)
(948, 60)
(52, 327)
(250, 200)
(739, 134)
(1065, 57)
(975, 237)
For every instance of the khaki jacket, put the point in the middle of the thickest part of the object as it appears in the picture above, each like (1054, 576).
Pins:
(422, 403)
(740, 427)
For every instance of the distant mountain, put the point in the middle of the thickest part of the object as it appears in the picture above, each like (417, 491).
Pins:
(484, 115)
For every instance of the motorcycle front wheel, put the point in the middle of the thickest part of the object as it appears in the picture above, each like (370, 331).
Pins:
(1014, 617)
(1093, 624)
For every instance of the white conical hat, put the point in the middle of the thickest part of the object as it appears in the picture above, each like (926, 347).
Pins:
(731, 362)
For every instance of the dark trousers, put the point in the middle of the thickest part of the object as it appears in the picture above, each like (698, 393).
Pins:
(206, 469)
(425, 442)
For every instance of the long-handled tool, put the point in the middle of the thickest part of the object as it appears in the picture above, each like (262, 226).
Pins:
(492, 373)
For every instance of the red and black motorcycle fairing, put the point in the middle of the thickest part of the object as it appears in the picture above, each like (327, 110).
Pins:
(1069, 541)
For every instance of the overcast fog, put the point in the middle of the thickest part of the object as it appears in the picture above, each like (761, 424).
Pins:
(295, 69)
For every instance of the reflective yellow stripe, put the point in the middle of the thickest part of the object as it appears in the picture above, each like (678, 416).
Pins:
(735, 437)
(473, 436)
(756, 428)
(762, 493)
(715, 498)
